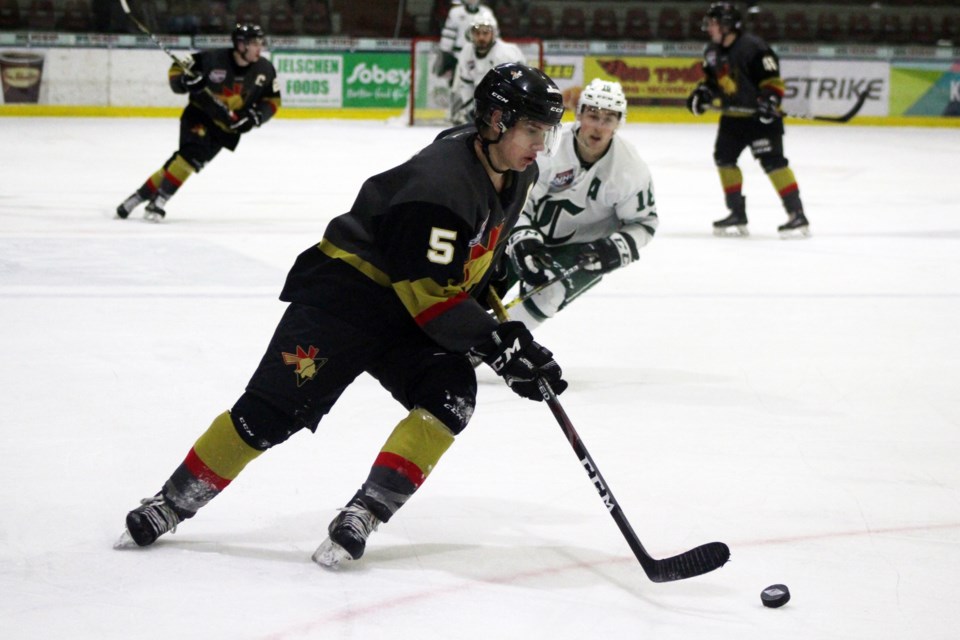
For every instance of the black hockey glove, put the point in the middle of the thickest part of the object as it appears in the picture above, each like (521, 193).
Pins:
(445, 63)
(605, 255)
(512, 353)
(768, 107)
(246, 120)
(699, 100)
(193, 83)
(530, 258)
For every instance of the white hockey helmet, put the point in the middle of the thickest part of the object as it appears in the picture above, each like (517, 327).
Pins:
(483, 21)
(603, 94)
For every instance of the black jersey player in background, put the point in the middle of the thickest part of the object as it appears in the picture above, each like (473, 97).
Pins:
(394, 289)
(743, 72)
(231, 92)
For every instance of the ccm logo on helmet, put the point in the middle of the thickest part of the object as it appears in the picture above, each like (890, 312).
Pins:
(499, 97)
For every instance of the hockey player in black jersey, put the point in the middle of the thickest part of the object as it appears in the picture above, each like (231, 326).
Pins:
(743, 74)
(393, 289)
(231, 92)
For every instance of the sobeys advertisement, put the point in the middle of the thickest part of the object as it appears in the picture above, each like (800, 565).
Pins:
(343, 79)
(376, 79)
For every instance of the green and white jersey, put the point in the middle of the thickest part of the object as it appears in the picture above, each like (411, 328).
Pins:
(571, 204)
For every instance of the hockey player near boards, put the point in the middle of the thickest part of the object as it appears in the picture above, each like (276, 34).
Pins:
(593, 205)
(743, 72)
(393, 290)
(231, 92)
(484, 52)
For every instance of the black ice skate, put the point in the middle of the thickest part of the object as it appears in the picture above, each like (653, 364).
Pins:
(129, 205)
(155, 211)
(796, 226)
(153, 518)
(348, 536)
(734, 224)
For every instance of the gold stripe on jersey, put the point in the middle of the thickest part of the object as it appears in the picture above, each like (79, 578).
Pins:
(354, 261)
(774, 84)
(417, 296)
(425, 299)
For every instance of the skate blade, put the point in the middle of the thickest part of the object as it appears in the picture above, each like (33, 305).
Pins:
(330, 555)
(798, 233)
(737, 231)
(125, 541)
(150, 216)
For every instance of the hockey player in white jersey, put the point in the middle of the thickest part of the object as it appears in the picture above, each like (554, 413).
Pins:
(453, 38)
(484, 52)
(593, 207)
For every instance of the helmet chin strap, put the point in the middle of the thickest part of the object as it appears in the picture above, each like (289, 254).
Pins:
(485, 147)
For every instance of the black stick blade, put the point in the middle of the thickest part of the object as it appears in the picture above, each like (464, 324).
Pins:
(856, 107)
(854, 110)
(695, 562)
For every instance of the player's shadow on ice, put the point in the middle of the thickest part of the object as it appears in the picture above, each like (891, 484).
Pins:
(554, 567)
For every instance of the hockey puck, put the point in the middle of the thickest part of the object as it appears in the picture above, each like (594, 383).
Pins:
(776, 595)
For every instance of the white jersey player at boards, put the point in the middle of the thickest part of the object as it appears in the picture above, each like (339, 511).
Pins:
(484, 52)
(453, 38)
(593, 205)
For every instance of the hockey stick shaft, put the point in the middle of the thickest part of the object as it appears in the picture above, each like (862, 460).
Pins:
(146, 30)
(698, 561)
(566, 273)
(694, 562)
(180, 63)
(846, 117)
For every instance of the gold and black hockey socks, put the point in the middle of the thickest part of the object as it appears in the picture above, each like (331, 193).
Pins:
(406, 459)
(786, 185)
(215, 460)
(731, 179)
(168, 180)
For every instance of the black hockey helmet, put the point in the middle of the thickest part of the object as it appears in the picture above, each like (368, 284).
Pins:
(245, 32)
(519, 92)
(727, 14)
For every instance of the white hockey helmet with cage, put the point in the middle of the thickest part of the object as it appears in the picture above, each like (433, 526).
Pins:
(481, 21)
(603, 94)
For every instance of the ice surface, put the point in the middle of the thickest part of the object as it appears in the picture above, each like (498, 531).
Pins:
(795, 399)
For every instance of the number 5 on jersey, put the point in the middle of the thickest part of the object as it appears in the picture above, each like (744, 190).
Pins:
(441, 246)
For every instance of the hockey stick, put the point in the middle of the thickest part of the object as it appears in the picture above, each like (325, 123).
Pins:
(846, 117)
(180, 63)
(688, 564)
(566, 273)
